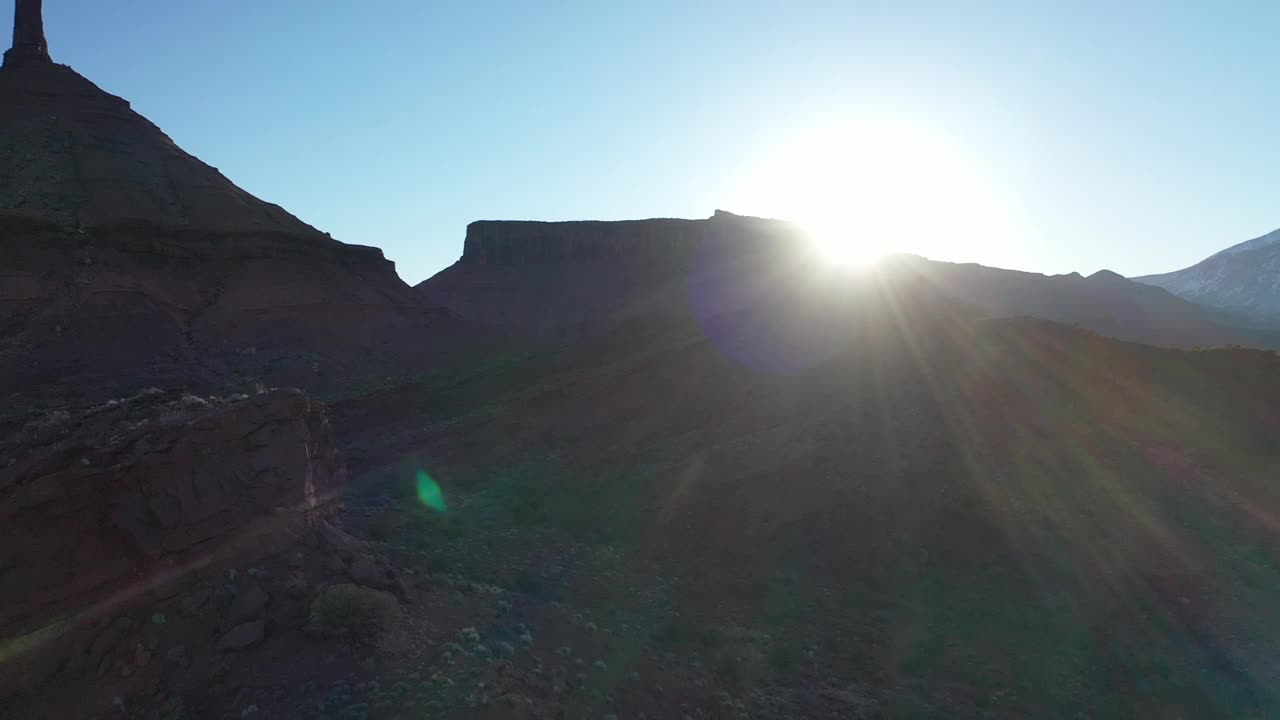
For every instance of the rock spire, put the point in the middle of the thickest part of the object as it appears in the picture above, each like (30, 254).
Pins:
(29, 46)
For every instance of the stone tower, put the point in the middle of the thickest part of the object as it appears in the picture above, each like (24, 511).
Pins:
(29, 46)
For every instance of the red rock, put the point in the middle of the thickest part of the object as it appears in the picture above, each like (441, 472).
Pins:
(28, 35)
(125, 261)
(178, 484)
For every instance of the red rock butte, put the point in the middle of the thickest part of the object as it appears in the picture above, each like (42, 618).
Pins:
(123, 257)
(29, 46)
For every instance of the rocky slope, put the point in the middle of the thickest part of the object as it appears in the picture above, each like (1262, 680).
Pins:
(937, 514)
(126, 529)
(1243, 280)
(125, 261)
(79, 158)
(95, 501)
(549, 278)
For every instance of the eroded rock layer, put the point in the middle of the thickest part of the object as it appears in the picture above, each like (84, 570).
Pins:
(126, 262)
(542, 277)
(108, 500)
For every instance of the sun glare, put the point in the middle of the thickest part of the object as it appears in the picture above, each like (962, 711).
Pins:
(863, 189)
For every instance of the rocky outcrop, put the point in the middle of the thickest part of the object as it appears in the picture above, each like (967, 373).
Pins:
(29, 45)
(125, 261)
(110, 312)
(663, 240)
(551, 277)
(168, 548)
(100, 505)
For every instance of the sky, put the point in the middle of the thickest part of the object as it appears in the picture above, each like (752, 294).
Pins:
(1138, 137)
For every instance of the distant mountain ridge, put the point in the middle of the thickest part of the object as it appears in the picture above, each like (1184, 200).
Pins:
(1242, 280)
(550, 277)
(1104, 302)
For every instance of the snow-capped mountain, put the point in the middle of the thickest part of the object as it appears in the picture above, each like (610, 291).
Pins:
(1243, 279)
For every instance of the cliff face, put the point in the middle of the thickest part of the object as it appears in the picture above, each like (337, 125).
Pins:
(110, 507)
(533, 277)
(144, 538)
(125, 261)
(96, 500)
(656, 241)
(550, 277)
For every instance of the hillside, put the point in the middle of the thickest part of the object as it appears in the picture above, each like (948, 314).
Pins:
(945, 513)
(125, 261)
(1104, 302)
(1240, 281)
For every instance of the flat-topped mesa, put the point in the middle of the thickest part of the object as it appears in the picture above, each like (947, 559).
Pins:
(29, 46)
(515, 242)
(549, 277)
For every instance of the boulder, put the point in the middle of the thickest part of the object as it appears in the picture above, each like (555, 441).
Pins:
(177, 655)
(243, 636)
(250, 604)
(173, 484)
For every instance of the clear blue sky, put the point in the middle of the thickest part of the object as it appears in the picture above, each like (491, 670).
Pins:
(1139, 139)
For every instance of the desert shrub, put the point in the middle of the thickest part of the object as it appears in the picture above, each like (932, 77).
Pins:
(677, 630)
(352, 613)
(784, 657)
(739, 671)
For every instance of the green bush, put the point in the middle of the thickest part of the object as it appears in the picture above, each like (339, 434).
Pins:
(352, 613)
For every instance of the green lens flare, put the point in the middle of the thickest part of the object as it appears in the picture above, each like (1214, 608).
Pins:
(429, 493)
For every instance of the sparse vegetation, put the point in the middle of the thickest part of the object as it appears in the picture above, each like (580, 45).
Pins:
(739, 670)
(352, 613)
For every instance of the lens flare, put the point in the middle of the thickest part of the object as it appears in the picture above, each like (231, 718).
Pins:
(430, 494)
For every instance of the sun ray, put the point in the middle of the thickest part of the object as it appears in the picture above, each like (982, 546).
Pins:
(866, 187)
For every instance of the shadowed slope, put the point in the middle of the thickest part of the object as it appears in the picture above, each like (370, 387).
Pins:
(987, 517)
(76, 157)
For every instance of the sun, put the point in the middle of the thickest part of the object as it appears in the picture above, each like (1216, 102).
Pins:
(863, 188)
